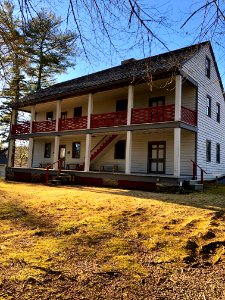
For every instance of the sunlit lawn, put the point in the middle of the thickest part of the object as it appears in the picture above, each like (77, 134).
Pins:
(77, 229)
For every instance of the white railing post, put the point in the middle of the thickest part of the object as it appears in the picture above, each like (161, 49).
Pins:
(128, 152)
(130, 103)
(32, 118)
(90, 110)
(87, 153)
(56, 152)
(177, 145)
(58, 114)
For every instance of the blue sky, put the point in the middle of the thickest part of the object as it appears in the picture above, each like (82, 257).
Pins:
(176, 11)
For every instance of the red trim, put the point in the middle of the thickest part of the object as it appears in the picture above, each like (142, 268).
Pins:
(21, 128)
(44, 126)
(163, 113)
(109, 119)
(73, 123)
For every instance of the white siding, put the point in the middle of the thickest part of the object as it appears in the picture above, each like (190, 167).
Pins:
(2, 170)
(208, 128)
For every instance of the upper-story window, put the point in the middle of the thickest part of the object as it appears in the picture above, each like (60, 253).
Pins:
(157, 101)
(77, 112)
(207, 67)
(208, 150)
(49, 115)
(218, 112)
(208, 106)
(121, 105)
(63, 115)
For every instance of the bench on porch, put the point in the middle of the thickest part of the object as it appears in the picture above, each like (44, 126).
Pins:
(44, 165)
(77, 167)
(109, 168)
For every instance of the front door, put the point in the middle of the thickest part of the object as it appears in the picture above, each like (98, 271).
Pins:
(156, 157)
(62, 154)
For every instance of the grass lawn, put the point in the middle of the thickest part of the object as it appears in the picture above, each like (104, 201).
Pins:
(101, 243)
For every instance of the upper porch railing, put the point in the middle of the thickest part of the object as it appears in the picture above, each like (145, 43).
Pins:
(158, 114)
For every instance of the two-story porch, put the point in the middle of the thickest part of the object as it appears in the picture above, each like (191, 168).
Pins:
(135, 132)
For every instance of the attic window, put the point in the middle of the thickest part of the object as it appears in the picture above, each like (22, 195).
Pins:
(207, 67)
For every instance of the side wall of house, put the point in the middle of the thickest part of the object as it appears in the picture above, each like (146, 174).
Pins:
(208, 127)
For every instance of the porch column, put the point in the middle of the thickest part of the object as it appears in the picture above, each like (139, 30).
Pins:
(11, 153)
(130, 103)
(32, 118)
(90, 110)
(30, 153)
(177, 140)
(178, 95)
(11, 148)
(58, 114)
(87, 153)
(56, 152)
(128, 152)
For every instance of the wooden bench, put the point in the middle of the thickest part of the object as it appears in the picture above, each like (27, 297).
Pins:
(44, 165)
(72, 166)
(109, 168)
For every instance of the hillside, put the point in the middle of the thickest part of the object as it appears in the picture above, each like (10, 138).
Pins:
(100, 243)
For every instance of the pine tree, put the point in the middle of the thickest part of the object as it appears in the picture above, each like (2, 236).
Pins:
(50, 50)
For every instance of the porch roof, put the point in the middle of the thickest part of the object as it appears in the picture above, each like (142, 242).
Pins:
(158, 66)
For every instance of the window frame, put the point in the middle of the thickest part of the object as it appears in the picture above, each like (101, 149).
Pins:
(218, 112)
(123, 103)
(120, 150)
(207, 67)
(218, 153)
(76, 110)
(156, 100)
(49, 118)
(208, 150)
(47, 150)
(74, 151)
(209, 106)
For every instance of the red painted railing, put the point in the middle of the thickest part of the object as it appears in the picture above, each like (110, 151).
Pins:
(59, 162)
(22, 128)
(102, 145)
(109, 119)
(44, 126)
(73, 123)
(188, 116)
(164, 113)
(155, 114)
(194, 171)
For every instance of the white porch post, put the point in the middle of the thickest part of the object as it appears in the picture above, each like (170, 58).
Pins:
(178, 96)
(11, 149)
(177, 143)
(87, 153)
(130, 103)
(32, 118)
(58, 114)
(30, 153)
(128, 152)
(90, 110)
(11, 153)
(56, 152)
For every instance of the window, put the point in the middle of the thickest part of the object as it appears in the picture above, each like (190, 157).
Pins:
(120, 148)
(49, 115)
(76, 150)
(208, 106)
(77, 112)
(63, 115)
(208, 150)
(218, 153)
(157, 101)
(218, 112)
(47, 153)
(121, 105)
(207, 67)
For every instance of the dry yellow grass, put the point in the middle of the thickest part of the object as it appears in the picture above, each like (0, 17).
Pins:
(77, 229)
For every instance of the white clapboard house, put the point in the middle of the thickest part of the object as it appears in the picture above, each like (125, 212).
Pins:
(156, 120)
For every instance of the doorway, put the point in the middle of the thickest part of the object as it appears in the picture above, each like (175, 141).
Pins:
(62, 154)
(156, 157)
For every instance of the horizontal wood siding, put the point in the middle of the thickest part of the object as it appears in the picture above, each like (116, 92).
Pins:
(208, 128)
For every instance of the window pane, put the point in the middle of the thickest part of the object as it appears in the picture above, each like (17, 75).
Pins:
(76, 150)
(47, 153)
(120, 148)
(160, 167)
(153, 167)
